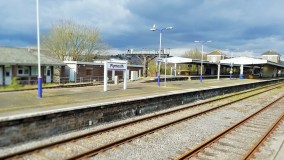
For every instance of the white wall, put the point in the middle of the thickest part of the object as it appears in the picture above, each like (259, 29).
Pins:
(71, 71)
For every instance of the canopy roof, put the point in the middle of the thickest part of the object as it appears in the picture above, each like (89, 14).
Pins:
(177, 60)
(235, 61)
(99, 63)
(182, 60)
(243, 60)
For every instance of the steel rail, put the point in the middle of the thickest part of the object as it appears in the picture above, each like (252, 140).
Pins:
(258, 144)
(274, 86)
(193, 152)
(136, 136)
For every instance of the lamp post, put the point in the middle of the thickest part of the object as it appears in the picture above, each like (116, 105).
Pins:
(160, 46)
(166, 71)
(202, 43)
(231, 71)
(39, 79)
(231, 64)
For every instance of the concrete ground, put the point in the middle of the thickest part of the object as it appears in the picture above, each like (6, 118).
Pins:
(22, 103)
(14, 104)
(280, 153)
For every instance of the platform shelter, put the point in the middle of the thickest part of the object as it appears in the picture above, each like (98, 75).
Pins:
(255, 67)
(207, 66)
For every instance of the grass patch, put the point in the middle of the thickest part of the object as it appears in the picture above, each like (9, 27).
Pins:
(18, 87)
(15, 86)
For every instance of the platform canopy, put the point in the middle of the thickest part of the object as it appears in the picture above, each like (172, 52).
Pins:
(243, 61)
(112, 60)
(177, 60)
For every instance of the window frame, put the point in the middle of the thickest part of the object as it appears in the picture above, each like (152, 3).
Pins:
(25, 71)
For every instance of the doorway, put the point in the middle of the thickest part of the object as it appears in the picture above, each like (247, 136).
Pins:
(8, 75)
(48, 74)
(72, 75)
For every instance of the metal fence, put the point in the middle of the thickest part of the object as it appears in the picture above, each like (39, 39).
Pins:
(65, 80)
(27, 82)
(89, 79)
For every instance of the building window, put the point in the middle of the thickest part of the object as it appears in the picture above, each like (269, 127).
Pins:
(23, 71)
(7, 74)
(34, 71)
(48, 73)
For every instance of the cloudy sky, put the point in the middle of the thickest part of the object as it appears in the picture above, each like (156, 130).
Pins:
(251, 26)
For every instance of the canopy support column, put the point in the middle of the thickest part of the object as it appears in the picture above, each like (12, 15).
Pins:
(175, 69)
(218, 74)
(241, 71)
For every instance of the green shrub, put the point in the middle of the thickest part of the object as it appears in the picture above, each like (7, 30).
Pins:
(15, 83)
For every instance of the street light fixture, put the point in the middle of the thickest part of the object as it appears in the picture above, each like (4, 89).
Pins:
(160, 46)
(202, 43)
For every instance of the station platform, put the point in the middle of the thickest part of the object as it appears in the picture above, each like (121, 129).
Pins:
(23, 103)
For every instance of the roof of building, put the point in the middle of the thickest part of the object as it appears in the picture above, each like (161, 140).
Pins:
(27, 56)
(99, 63)
(249, 61)
(182, 60)
(244, 61)
(270, 52)
(216, 52)
(177, 60)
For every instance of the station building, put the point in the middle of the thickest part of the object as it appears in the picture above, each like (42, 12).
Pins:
(77, 71)
(22, 63)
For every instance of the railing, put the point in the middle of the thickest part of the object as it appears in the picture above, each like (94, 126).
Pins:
(64, 80)
(100, 79)
(27, 82)
(89, 79)
(94, 79)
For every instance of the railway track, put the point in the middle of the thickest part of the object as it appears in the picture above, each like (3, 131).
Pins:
(243, 139)
(93, 143)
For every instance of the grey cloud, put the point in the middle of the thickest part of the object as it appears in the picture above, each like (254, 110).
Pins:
(250, 25)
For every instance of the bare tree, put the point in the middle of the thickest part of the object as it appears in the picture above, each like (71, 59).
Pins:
(71, 41)
(193, 54)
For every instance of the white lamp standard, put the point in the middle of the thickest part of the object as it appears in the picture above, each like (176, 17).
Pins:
(39, 79)
(231, 65)
(202, 43)
(160, 46)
